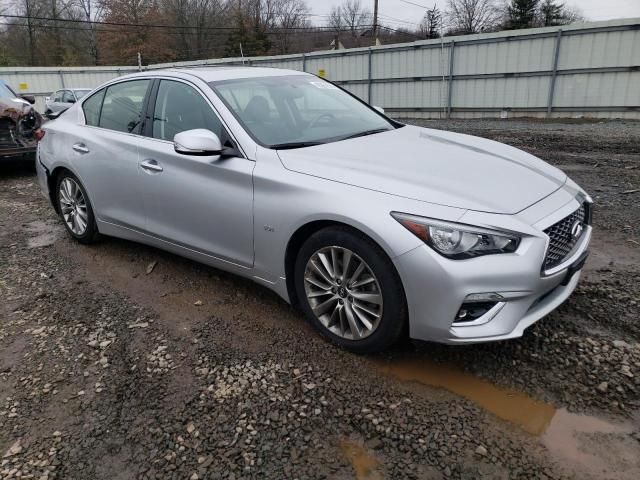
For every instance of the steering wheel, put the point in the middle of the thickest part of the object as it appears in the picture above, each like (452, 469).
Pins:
(315, 121)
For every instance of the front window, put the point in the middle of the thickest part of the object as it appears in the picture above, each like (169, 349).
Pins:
(180, 107)
(297, 110)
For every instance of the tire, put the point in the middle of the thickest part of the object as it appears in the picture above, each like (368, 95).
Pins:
(370, 302)
(75, 208)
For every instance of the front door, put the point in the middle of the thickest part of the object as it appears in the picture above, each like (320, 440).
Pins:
(199, 202)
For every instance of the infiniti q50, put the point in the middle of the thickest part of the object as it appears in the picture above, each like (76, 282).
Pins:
(375, 229)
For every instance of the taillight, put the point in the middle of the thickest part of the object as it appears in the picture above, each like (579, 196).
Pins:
(39, 134)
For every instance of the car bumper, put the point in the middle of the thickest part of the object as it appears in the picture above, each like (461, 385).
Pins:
(42, 175)
(10, 152)
(436, 289)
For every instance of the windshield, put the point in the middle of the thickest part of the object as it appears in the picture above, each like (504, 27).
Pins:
(297, 110)
(6, 92)
(80, 93)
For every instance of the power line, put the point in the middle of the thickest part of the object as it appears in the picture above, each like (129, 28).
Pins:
(193, 31)
(414, 4)
(150, 25)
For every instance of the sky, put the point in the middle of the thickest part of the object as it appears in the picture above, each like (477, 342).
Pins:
(398, 13)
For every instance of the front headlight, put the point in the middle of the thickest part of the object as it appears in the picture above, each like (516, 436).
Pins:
(455, 240)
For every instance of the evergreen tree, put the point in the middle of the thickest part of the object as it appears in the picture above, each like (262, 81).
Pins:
(431, 24)
(551, 13)
(522, 13)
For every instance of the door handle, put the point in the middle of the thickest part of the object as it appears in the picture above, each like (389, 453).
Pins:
(80, 148)
(151, 165)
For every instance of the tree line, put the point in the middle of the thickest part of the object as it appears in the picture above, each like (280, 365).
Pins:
(108, 32)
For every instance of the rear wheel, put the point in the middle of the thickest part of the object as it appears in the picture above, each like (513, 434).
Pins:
(75, 208)
(350, 290)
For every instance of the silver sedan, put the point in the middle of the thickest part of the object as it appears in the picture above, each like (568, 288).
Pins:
(373, 228)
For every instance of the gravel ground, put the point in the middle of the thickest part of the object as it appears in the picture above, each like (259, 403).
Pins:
(120, 361)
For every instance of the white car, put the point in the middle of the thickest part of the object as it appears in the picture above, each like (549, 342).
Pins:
(60, 100)
(373, 228)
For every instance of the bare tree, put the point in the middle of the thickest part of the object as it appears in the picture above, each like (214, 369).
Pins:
(291, 15)
(91, 11)
(355, 16)
(350, 17)
(472, 16)
(335, 19)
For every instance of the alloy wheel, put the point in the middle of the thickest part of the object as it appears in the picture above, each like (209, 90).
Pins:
(73, 206)
(343, 292)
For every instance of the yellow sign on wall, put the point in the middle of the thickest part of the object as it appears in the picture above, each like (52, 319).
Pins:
(322, 73)
(23, 86)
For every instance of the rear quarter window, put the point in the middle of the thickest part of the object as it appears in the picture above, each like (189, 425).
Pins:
(91, 108)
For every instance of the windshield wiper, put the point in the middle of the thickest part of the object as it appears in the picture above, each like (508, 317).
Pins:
(366, 132)
(288, 145)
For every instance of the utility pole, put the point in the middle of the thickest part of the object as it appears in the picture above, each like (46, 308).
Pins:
(375, 22)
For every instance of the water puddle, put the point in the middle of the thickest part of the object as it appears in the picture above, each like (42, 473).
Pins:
(42, 234)
(529, 414)
(364, 464)
(578, 442)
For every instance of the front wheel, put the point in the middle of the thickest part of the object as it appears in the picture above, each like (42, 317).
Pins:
(75, 208)
(350, 290)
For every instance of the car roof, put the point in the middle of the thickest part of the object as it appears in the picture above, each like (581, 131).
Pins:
(212, 74)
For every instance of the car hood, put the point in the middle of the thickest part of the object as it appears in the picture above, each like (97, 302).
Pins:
(433, 166)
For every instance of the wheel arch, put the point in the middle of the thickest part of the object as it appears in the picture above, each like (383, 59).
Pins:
(303, 232)
(52, 179)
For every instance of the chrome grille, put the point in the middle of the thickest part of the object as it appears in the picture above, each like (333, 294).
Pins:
(561, 239)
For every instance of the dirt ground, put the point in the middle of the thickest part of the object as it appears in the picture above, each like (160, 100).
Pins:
(120, 361)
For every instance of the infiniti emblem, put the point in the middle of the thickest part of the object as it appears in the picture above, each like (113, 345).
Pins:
(576, 230)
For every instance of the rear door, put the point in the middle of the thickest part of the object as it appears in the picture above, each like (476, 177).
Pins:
(200, 202)
(104, 151)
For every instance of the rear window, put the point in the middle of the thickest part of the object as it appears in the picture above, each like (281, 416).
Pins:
(122, 106)
(117, 107)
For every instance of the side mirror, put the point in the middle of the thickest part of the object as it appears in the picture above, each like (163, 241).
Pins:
(379, 109)
(29, 98)
(71, 100)
(197, 142)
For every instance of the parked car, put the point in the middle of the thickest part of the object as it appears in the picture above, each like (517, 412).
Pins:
(60, 100)
(19, 122)
(373, 228)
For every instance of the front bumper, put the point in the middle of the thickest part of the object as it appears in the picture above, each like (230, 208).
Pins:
(436, 288)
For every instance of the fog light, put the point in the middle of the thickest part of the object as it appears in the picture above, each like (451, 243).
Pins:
(470, 311)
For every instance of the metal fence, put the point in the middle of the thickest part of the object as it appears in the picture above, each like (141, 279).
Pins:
(585, 70)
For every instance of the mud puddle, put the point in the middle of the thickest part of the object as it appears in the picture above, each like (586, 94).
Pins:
(365, 466)
(529, 414)
(579, 443)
